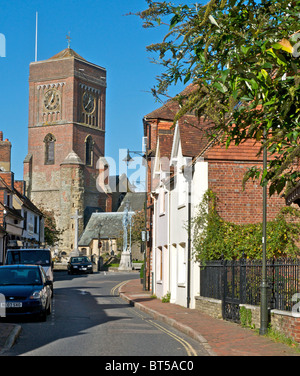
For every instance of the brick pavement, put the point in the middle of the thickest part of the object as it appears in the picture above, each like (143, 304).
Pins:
(220, 337)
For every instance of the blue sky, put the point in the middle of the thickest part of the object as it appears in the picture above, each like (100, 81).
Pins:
(102, 34)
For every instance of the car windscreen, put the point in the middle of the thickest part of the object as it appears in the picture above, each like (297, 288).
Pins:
(39, 257)
(79, 259)
(20, 276)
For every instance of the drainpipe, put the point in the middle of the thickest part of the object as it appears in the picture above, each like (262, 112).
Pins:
(154, 240)
(169, 238)
(189, 177)
(188, 297)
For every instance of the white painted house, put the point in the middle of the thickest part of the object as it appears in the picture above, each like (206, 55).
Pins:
(178, 189)
(161, 218)
(33, 221)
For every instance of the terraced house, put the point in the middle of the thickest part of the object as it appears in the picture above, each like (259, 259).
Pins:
(187, 164)
(21, 222)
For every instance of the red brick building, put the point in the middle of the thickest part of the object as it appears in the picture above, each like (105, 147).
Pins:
(66, 137)
(226, 168)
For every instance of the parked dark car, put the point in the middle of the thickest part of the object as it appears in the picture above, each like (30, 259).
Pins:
(24, 290)
(80, 264)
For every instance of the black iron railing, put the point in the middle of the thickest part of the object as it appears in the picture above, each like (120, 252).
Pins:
(241, 280)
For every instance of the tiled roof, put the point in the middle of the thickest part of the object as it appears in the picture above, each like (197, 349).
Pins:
(136, 201)
(193, 135)
(72, 158)
(110, 226)
(110, 223)
(65, 54)
(165, 145)
(170, 108)
(27, 203)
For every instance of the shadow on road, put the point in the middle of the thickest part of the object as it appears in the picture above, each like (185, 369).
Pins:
(75, 310)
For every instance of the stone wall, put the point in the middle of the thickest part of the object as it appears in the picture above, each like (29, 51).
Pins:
(287, 323)
(209, 306)
(71, 199)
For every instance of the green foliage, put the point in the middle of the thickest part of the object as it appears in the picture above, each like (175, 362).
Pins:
(138, 225)
(51, 234)
(277, 336)
(242, 56)
(142, 271)
(215, 238)
(166, 298)
(246, 317)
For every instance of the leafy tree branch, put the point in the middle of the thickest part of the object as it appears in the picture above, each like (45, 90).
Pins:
(242, 59)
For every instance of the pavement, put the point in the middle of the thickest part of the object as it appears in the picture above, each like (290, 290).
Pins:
(9, 332)
(219, 337)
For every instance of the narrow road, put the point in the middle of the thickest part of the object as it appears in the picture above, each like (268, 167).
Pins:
(89, 319)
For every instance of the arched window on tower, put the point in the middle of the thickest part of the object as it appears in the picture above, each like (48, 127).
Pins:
(89, 145)
(49, 141)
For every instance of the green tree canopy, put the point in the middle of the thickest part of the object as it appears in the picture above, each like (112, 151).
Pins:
(213, 237)
(242, 56)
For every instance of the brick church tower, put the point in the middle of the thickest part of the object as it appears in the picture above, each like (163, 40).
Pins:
(66, 137)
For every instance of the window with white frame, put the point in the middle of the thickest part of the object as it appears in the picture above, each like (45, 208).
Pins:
(181, 266)
(159, 264)
(162, 201)
(181, 189)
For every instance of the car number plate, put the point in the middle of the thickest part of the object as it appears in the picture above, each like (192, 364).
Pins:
(11, 305)
(83, 268)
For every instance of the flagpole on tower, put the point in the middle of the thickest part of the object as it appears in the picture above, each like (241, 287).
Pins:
(36, 34)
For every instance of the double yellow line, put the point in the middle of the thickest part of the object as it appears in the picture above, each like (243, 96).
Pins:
(188, 348)
(113, 290)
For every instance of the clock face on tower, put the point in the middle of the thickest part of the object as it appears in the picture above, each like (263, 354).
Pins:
(51, 99)
(88, 101)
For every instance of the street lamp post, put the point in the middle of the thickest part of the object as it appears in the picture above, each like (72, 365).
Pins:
(264, 284)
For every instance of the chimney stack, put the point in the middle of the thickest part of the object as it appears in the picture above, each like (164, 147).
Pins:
(5, 153)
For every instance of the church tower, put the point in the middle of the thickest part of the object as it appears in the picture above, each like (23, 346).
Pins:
(66, 137)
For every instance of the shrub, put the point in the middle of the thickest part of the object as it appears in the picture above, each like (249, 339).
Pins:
(166, 298)
(142, 271)
(215, 238)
